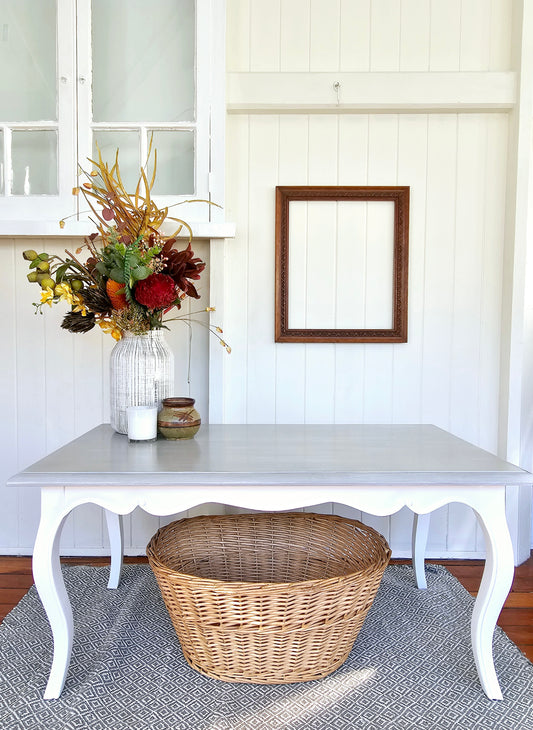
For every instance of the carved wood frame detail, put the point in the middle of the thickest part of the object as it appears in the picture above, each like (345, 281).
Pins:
(399, 195)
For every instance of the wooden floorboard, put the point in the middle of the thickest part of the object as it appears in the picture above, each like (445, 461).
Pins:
(516, 618)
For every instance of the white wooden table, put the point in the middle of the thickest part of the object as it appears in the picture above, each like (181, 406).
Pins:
(376, 469)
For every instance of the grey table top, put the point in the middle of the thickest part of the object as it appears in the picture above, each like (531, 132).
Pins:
(275, 454)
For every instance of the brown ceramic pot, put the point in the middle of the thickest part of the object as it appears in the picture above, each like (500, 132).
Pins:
(178, 418)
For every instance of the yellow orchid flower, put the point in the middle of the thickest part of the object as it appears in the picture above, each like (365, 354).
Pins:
(64, 292)
(47, 296)
(110, 328)
(78, 305)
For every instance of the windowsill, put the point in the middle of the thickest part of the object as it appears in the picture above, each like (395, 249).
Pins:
(47, 229)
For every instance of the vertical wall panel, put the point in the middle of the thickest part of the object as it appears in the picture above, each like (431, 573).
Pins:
(439, 268)
(414, 35)
(290, 359)
(407, 366)
(462, 529)
(355, 35)
(350, 360)
(238, 38)
(363, 35)
(349, 396)
(445, 35)
(31, 389)
(353, 150)
(261, 353)
(320, 360)
(321, 265)
(236, 271)
(323, 149)
(379, 358)
(385, 35)
(491, 275)
(412, 167)
(58, 397)
(324, 42)
(475, 35)
(300, 229)
(88, 381)
(9, 498)
(379, 270)
(382, 170)
(295, 30)
(182, 341)
(400, 531)
(265, 35)
(469, 229)
(142, 526)
(350, 290)
(501, 18)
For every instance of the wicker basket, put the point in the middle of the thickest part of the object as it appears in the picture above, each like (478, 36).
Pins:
(267, 598)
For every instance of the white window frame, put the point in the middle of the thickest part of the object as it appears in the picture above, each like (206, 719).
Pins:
(40, 214)
(50, 207)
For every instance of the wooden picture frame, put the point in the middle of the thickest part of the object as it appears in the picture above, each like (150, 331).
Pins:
(399, 197)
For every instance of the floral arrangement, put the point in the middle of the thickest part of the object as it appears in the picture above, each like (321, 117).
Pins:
(132, 275)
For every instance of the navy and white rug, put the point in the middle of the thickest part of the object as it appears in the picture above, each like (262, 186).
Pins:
(411, 667)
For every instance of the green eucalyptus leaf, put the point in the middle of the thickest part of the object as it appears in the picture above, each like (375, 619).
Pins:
(61, 271)
(140, 272)
(117, 274)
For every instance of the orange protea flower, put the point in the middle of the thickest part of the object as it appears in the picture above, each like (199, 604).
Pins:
(115, 292)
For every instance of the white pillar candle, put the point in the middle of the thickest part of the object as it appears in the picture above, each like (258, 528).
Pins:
(142, 423)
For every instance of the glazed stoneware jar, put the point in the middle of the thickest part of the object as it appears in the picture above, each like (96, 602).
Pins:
(178, 418)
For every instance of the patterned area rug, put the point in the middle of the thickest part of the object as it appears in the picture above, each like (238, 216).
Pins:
(411, 667)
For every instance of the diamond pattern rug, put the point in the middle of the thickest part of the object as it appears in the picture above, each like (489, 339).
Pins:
(411, 667)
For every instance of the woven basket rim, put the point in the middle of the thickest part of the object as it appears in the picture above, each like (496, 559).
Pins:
(382, 558)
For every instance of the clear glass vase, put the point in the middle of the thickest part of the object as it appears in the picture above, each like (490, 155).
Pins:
(142, 373)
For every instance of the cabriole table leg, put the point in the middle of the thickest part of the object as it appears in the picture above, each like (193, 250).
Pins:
(495, 585)
(51, 588)
(419, 543)
(116, 542)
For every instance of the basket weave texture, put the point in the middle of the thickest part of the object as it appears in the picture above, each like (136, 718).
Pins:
(267, 598)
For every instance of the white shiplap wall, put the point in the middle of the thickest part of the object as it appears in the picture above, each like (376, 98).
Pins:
(368, 35)
(456, 165)
(55, 386)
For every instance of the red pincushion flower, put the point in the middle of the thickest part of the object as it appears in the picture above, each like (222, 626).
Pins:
(157, 291)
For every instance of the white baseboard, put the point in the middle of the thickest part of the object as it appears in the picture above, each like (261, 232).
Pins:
(137, 551)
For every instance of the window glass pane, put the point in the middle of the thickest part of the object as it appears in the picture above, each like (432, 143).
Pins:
(28, 60)
(127, 144)
(143, 60)
(34, 161)
(175, 162)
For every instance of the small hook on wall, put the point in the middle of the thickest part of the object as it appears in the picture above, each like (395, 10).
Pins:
(337, 87)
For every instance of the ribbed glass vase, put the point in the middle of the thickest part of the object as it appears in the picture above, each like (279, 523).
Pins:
(142, 373)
